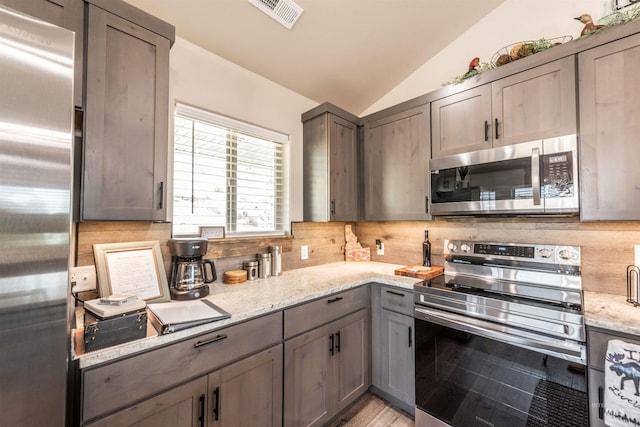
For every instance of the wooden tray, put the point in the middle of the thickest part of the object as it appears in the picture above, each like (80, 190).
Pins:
(418, 274)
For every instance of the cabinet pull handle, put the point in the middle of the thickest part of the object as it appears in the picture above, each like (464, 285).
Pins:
(410, 339)
(497, 133)
(338, 341)
(211, 341)
(333, 207)
(201, 417)
(336, 299)
(331, 349)
(216, 407)
(161, 204)
(426, 204)
(400, 294)
(486, 130)
(601, 403)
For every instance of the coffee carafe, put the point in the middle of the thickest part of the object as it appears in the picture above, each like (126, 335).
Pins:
(189, 272)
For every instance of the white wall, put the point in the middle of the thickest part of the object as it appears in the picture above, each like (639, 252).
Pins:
(202, 79)
(512, 22)
(207, 81)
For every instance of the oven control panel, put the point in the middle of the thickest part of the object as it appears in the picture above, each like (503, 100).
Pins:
(569, 255)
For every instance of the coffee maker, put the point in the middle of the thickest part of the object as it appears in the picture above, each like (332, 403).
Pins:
(189, 272)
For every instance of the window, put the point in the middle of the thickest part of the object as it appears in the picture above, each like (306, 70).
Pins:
(228, 173)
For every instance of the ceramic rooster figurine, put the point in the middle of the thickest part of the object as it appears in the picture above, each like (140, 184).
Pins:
(473, 66)
(589, 26)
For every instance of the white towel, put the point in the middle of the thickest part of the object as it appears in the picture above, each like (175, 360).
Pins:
(622, 384)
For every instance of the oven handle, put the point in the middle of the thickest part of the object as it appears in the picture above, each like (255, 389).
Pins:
(567, 351)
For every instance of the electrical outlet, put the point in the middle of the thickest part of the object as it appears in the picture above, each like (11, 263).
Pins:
(304, 252)
(380, 249)
(82, 278)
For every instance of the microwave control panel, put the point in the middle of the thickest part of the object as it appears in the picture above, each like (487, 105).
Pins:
(556, 168)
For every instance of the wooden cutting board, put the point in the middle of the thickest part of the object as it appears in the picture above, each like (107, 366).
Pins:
(419, 271)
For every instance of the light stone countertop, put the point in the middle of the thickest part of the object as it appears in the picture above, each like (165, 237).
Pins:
(262, 296)
(612, 312)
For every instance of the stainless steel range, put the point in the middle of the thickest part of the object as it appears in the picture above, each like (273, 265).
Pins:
(500, 338)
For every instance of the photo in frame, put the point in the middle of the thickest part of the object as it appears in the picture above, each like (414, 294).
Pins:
(212, 232)
(131, 268)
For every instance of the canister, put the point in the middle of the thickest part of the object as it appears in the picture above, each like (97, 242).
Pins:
(276, 260)
(264, 265)
(251, 267)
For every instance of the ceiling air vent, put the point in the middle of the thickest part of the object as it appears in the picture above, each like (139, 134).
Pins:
(285, 12)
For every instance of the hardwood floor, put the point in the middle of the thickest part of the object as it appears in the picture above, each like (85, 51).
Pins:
(372, 411)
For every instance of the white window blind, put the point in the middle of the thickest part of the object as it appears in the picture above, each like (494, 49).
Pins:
(228, 173)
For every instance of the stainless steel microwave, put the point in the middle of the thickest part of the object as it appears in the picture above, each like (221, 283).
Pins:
(538, 177)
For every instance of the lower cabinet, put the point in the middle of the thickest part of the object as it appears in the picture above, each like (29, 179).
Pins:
(246, 393)
(392, 343)
(396, 358)
(236, 371)
(182, 406)
(326, 369)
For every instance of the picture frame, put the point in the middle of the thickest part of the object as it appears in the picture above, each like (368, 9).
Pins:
(131, 268)
(212, 231)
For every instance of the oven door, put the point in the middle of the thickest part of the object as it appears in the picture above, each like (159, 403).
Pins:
(466, 379)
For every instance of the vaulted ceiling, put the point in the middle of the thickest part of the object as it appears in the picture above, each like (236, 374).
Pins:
(347, 52)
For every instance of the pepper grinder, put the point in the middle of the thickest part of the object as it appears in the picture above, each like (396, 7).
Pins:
(426, 250)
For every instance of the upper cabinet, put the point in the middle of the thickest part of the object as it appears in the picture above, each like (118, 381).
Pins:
(609, 149)
(462, 122)
(534, 104)
(125, 140)
(67, 14)
(395, 166)
(330, 139)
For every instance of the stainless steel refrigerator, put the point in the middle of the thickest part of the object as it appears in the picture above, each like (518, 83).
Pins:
(36, 110)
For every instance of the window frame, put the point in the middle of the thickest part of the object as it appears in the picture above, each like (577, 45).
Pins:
(281, 211)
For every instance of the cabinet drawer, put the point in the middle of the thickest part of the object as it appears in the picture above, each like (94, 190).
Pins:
(597, 346)
(116, 385)
(398, 300)
(312, 314)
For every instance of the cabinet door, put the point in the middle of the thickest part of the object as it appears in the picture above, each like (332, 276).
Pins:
(179, 407)
(395, 167)
(330, 169)
(350, 360)
(343, 170)
(306, 359)
(535, 104)
(596, 398)
(396, 356)
(125, 139)
(462, 122)
(609, 128)
(68, 14)
(249, 392)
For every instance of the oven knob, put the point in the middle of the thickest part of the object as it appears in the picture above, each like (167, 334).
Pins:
(452, 247)
(567, 254)
(465, 248)
(545, 253)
